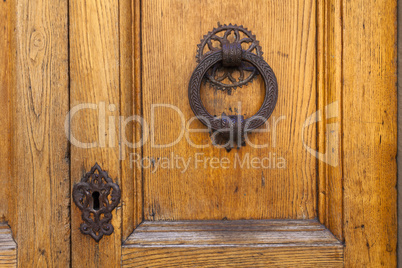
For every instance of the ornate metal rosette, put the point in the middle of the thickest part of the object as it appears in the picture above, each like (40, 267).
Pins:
(96, 196)
(223, 77)
(235, 123)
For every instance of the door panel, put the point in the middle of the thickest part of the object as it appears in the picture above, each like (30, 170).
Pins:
(39, 211)
(334, 207)
(370, 135)
(286, 30)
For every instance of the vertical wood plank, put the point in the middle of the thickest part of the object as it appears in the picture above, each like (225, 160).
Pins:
(94, 70)
(329, 84)
(399, 132)
(5, 130)
(370, 132)
(40, 149)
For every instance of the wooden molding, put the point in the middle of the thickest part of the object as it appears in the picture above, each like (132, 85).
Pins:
(95, 77)
(8, 247)
(5, 109)
(353, 65)
(130, 32)
(258, 243)
(329, 85)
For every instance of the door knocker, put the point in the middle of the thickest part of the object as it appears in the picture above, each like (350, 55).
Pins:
(229, 57)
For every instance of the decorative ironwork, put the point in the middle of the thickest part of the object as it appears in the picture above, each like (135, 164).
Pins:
(96, 195)
(222, 76)
(232, 128)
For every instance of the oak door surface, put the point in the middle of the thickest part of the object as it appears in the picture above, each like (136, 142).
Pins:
(315, 187)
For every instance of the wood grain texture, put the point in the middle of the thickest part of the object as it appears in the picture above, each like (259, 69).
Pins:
(248, 243)
(138, 175)
(126, 27)
(329, 85)
(286, 256)
(95, 75)
(369, 132)
(399, 158)
(8, 247)
(5, 112)
(12, 216)
(356, 68)
(237, 232)
(40, 155)
(170, 32)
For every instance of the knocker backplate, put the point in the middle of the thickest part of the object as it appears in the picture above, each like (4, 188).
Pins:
(223, 77)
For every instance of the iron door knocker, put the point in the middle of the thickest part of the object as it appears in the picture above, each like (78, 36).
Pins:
(231, 57)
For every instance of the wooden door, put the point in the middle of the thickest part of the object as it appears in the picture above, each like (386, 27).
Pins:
(315, 187)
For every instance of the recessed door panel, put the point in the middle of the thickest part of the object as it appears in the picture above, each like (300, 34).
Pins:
(182, 181)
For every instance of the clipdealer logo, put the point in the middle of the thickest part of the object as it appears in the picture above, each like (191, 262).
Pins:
(331, 156)
(112, 129)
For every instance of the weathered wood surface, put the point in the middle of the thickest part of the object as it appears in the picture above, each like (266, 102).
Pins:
(40, 151)
(349, 59)
(399, 158)
(5, 112)
(286, 256)
(329, 86)
(95, 79)
(230, 233)
(8, 248)
(286, 30)
(369, 124)
(128, 90)
(256, 243)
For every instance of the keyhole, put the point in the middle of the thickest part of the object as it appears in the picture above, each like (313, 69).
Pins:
(95, 197)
